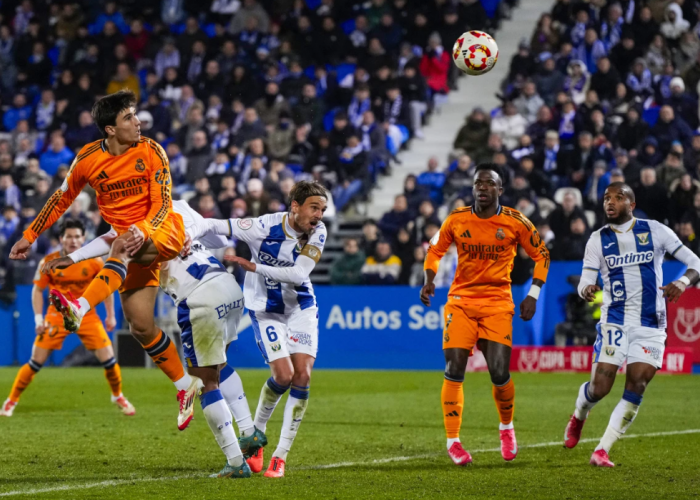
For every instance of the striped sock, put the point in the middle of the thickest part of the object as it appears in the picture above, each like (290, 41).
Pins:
(107, 281)
(24, 377)
(113, 374)
(164, 354)
(270, 395)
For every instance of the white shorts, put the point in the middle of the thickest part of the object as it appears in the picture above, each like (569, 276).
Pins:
(279, 335)
(635, 344)
(208, 319)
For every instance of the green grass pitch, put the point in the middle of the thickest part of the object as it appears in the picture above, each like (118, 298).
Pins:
(66, 440)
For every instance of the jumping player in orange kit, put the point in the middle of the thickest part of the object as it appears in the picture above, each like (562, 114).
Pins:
(131, 177)
(480, 306)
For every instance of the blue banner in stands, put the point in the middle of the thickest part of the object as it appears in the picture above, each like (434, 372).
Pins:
(360, 327)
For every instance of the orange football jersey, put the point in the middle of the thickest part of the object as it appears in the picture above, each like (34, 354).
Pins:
(132, 188)
(486, 249)
(74, 279)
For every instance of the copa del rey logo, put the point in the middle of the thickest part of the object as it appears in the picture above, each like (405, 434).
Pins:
(686, 326)
(535, 360)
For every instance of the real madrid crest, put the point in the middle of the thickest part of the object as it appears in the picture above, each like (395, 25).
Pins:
(500, 234)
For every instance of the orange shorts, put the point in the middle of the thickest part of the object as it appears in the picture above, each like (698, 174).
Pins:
(91, 333)
(168, 239)
(468, 320)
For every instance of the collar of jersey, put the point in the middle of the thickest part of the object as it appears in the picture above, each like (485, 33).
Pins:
(634, 221)
(288, 230)
(103, 145)
(498, 210)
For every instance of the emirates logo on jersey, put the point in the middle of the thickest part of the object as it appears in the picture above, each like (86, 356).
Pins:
(140, 165)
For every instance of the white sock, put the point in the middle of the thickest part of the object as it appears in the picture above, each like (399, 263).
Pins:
(183, 383)
(114, 398)
(84, 306)
(220, 422)
(584, 402)
(451, 441)
(270, 395)
(505, 427)
(622, 417)
(293, 414)
(231, 387)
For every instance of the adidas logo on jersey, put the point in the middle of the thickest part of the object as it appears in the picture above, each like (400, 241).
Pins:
(103, 176)
(629, 259)
(466, 234)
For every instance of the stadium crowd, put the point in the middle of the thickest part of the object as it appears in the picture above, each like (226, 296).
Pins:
(603, 91)
(246, 96)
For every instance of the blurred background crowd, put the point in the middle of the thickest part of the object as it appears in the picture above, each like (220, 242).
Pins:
(248, 96)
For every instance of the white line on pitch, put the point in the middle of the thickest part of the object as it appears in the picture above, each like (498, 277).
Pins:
(120, 482)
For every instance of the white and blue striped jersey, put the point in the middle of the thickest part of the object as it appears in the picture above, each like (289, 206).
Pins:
(629, 259)
(180, 276)
(273, 242)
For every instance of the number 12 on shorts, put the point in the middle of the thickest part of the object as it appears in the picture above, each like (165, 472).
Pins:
(614, 337)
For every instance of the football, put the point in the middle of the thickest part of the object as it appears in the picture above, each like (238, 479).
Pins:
(475, 52)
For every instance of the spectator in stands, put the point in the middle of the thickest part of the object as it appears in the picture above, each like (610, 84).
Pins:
(433, 180)
(529, 102)
(633, 131)
(596, 185)
(309, 109)
(572, 247)
(549, 80)
(461, 178)
(509, 124)
(577, 81)
(591, 50)
(8, 223)
(688, 236)
(396, 218)
(19, 111)
(85, 133)
(545, 123)
(257, 200)
(41, 194)
(167, 57)
(630, 167)
(383, 267)
(414, 193)
(251, 128)
(560, 219)
(57, 154)
(473, 137)
(435, 65)
(651, 196)
(10, 194)
(684, 105)
(683, 193)
(124, 79)
(604, 81)
(672, 168)
(426, 217)
(199, 157)
(670, 128)
(370, 237)
(674, 25)
(539, 182)
(347, 268)
(351, 169)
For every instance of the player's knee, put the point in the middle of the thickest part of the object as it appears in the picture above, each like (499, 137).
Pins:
(599, 391)
(145, 334)
(302, 378)
(636, 386)
(209, 385)
(500, 377)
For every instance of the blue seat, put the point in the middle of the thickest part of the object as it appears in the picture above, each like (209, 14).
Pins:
(651, 115)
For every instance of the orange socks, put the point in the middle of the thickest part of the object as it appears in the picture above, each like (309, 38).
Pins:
(23, 379)
(452, 405)
(113, 374)
(164, 353)
(504, 396)
(107, 281)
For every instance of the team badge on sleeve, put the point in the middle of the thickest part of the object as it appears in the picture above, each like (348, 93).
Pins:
(245, 224)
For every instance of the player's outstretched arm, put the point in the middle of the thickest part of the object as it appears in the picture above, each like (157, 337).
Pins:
(588, 284)
(54, 208)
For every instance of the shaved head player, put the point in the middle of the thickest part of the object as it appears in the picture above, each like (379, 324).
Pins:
(479, 309)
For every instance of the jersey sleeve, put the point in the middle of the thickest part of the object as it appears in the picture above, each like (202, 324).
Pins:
(197, 228)
(592, 261)
(59, 202)
(248, 230)
(533, 244)
(317, 241)
(159, 191)
(439, 244)
(41, 280)
(669, 241)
